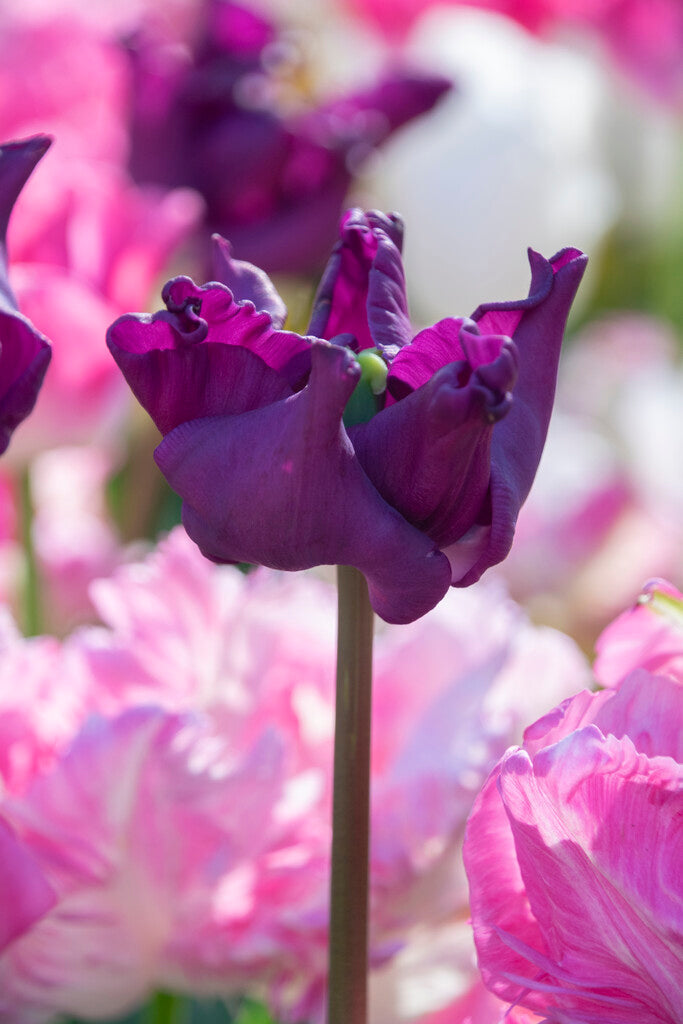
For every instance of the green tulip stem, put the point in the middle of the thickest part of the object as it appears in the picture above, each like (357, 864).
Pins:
(32, 609)
(348, 950)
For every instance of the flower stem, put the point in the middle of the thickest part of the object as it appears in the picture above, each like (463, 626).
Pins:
(33, 618)
(348, 953)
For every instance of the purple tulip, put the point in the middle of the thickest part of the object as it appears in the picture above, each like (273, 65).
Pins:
(274, 181)
(24, 352)
(405, 457)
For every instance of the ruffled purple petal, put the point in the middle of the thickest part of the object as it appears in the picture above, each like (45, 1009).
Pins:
(362, 291)
(281, 486)
(246, 281)
(24, 352)
(537, 326)
(429, 454)
(205, 355)
(451, 340)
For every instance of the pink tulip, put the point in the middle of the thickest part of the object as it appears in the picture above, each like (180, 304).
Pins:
(61, 76)
(167, 878)
(87, 217)
(573, 855)
(88, 244)
(649, 635)
(230, 777)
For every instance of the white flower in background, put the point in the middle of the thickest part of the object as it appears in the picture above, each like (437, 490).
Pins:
(510, 159)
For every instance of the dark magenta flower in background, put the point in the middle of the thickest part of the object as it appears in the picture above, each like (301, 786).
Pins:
(407, 457)
(273, 172)
(24, 352)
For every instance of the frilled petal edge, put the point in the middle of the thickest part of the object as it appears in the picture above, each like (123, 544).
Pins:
(176, 385)
(536, 325)
(246, 281)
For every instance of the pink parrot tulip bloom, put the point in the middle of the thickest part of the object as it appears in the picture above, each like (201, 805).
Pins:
(573, 853)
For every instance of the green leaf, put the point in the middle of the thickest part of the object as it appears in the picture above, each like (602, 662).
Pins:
(253, 1012)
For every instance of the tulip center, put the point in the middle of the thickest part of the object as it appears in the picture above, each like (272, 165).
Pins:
(367, 398)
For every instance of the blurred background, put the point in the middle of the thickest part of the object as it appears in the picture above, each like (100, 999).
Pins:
(490, 127)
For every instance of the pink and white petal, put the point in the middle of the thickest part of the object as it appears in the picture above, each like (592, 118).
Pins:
(25, 893)
(598, 836)
(649, 635)
(499, 905)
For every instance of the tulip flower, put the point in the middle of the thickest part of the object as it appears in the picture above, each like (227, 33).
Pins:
(408, 459)
(24, 352)
(648, 635)
(217, 694)
(573, 856)
(273, 173)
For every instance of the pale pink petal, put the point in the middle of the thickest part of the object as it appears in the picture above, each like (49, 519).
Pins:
(597, 844)
(649, 635)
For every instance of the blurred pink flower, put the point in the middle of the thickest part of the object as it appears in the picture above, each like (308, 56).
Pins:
(168, 869)
(479, 1006)
(39, 717)
(86, 216)
(75, 540)
(88, 244)
(241, 672)
(606, 512)
(25, 895)
(61, 76)
(573, 856)
(648, 635)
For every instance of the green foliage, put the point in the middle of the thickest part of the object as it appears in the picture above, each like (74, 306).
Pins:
(165, 1008)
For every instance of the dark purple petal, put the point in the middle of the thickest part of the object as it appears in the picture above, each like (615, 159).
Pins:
(363, 291)
(24, 352)
(246, 281)
(295, 233)
(280, 486)
(24, 358)
(205, 355)
(429, 454)
(210, 116)
(17, 161)
(375, 113)
(177, 385)
(537, 326)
